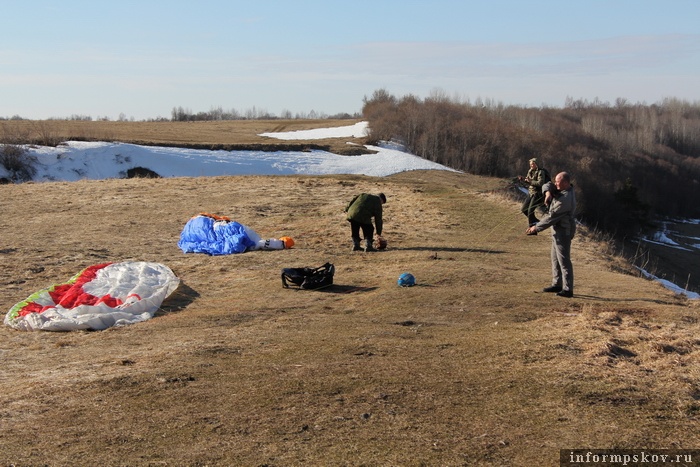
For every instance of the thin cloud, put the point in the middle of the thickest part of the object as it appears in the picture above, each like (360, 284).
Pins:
(621, 53)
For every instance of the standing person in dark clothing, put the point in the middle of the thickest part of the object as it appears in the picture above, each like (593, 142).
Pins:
(561, 218)
(535, 179)
(361, 210)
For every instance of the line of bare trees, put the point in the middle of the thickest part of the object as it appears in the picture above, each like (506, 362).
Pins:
(181, 114)
(629, 162)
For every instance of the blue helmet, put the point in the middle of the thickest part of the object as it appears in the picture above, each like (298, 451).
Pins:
(406, 280)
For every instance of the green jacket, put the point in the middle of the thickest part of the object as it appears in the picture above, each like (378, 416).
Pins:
(363, 208)
(537, 178)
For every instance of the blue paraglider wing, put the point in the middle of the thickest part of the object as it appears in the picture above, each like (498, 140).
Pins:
(204, 234)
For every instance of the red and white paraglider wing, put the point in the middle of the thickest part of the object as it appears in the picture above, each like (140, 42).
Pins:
(99, 297)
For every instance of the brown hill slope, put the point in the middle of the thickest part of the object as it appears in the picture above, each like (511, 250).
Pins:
(472, 366)
(226, 134)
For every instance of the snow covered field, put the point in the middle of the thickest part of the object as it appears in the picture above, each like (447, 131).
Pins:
(682, 235)
(670, 237)
(99, 160)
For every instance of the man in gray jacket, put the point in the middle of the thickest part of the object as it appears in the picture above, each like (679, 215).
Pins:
(561, 218)
(361, 209)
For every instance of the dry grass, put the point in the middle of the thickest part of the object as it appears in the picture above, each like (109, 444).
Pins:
(231, 134)
(471, 367)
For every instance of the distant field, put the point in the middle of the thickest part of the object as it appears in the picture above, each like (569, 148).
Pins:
(230, 134)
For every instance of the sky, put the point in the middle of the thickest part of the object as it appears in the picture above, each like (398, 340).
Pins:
(140, 59)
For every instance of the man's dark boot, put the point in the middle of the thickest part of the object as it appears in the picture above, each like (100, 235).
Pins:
(369, 246)
(356, 244)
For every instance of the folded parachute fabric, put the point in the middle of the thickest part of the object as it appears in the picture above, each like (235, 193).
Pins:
(219, 235)
(205, 234)
(98, 297)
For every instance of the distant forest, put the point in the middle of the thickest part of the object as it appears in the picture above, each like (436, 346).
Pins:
(180, 114)
(629, 162)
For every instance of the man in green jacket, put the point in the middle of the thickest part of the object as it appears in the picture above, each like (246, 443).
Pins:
(361, 210)
(535, 179)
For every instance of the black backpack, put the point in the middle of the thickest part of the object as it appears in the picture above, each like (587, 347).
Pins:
(308, 278)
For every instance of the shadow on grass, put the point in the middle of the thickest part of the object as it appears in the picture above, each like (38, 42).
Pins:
(621, 299)
(451, 249)
(337, 288)
(180, 299)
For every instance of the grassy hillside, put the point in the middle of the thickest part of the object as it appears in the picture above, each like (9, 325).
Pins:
(473, 366)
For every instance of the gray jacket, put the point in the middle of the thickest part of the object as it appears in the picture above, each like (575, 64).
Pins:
(562, 212)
